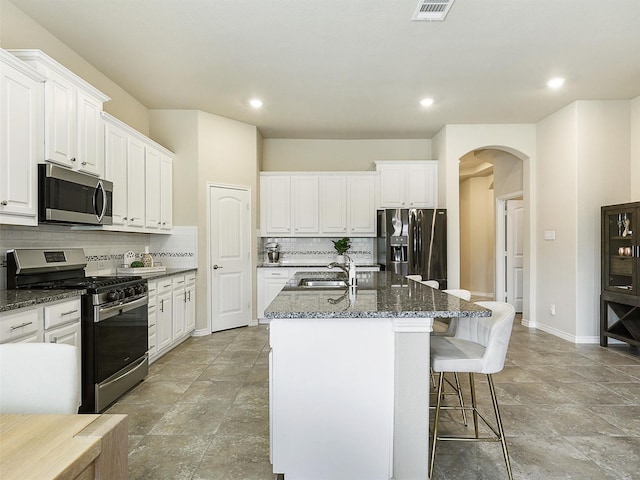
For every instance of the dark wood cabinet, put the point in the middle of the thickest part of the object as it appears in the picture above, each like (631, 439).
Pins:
(620, 295)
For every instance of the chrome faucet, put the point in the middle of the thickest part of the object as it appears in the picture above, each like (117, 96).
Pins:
(340, 266)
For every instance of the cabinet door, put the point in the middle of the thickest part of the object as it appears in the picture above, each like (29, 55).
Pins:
(135, 182)
(152, 188)
(270, 282)
(164, 314)
(421, 185)
(152, 316)
(333, 204)
(60, 121)
(392, 186)
(116, 171)
(90, 135)
(620, 250)
(166, 192)
(304, 204)
(275, 204)
(21, 105)
(67, 334)
(362, 205)
(190, 308)
(179, 305)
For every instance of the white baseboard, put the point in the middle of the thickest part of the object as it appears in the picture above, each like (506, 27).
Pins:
(200, 332)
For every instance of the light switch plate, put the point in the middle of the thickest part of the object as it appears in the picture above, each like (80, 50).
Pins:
(549, 234)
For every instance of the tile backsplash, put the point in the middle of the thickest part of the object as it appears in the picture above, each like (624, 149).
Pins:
(104, 250)
(298, 250)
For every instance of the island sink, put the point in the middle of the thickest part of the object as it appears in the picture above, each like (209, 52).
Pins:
(322, 283)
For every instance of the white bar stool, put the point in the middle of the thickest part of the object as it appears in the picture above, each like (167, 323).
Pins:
(478, 346)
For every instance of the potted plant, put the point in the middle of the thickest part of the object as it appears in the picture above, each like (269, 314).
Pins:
(341, 246)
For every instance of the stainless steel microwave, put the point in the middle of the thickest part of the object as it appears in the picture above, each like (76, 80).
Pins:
(69, 197)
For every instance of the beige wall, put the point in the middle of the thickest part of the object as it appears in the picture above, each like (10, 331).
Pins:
(635, 149)
(18, 31)
(209, 149)
(338, 155)
(583, 157)
(508, 174)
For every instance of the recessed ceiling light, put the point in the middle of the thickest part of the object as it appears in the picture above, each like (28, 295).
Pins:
(555, 82)
(426, 102)
(255, 102)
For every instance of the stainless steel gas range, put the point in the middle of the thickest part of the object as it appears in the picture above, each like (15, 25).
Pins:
(114, 347)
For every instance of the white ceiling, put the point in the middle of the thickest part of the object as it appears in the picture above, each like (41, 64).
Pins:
(355, 68)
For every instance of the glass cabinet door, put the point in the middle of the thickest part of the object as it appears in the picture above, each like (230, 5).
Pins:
(620, 251)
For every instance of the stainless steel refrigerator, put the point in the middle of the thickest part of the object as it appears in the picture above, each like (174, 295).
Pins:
(413, 241)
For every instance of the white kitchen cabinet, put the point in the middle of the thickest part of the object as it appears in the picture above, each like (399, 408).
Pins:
(318, 204)
(152, 318)
(152, 167)
(179, 306)
(166, 192)
(21, 324)
(304, 204)
(73, 130)
(21, 140)
(164, 314)
(142, 176)
(275, 204)
(270, 283)
(333, 204)
(362, 205)
(408, 184)
(190, 302)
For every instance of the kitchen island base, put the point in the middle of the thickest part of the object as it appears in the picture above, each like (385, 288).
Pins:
(349, 398)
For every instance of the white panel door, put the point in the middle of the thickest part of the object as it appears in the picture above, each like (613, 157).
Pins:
(229, 250)
(90, 135)
(135, 185)
(60, 122)
(116, 171)
(275, 204)
(153, 165)
(304, 204)
(515, 253)
(362, 205)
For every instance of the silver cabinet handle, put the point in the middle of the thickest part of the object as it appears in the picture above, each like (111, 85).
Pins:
(162, 304)
(84, 163)
(152, 325)
(4, 202)
(73, 159)
(185, 297)
(124, 218)
(15, 327)
(189, 295)
(216, 267)
(69, 312)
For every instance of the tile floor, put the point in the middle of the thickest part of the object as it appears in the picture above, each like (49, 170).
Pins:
(570, 412)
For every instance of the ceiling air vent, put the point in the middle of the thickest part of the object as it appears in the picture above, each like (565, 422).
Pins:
(432, 10)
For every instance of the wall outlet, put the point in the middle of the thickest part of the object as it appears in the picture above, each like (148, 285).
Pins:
(101, 265)
(552, 309)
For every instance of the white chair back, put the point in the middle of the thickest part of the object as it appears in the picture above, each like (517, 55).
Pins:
(39, 378)
(460, 293)
(492, 332)
(431, 283)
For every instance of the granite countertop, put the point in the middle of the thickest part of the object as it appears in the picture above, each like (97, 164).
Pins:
(310, 265)
(378, 295)
(13, 299)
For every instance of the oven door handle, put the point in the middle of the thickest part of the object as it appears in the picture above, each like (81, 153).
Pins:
(108, 312)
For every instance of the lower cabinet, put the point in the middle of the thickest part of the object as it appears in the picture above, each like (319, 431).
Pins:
(171, 312)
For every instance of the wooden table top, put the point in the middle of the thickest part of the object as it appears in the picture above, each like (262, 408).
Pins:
(44, 447)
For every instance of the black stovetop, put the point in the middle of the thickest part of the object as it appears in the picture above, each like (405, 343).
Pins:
(91, 284)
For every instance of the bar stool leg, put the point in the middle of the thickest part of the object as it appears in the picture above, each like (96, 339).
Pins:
(503, 441)
(459, 391)
(474, 408)
(436, 419)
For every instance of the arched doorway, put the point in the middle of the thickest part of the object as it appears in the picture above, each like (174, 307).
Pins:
(491, 253)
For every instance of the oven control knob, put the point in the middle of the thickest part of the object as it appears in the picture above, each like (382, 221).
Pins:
(113, 295)
(130, 292)
(140, 289)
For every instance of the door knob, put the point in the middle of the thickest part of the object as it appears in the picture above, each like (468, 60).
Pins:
(215, 267)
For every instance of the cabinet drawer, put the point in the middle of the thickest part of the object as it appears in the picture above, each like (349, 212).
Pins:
(152, 288)
(60, 313)
(152, 344)
(18, 324)
(178, 281)
(190, 278)
(69, 335)
(277, 273)
(165, 285)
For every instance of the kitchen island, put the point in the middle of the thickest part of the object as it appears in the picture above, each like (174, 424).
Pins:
(349, 376)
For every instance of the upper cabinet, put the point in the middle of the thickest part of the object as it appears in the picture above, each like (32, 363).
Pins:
(73, 132)
(21, 140)
(411, 184)
(142, 176)
(318, 204)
